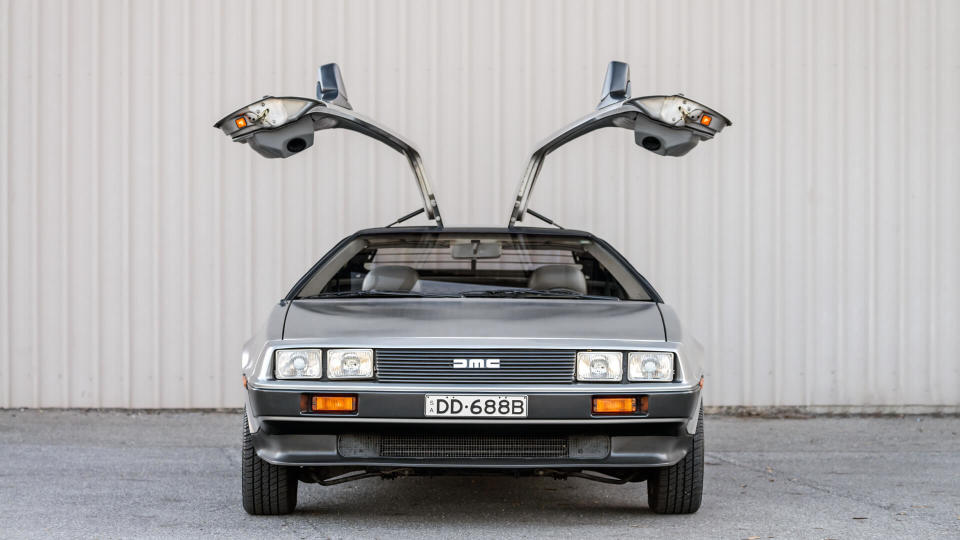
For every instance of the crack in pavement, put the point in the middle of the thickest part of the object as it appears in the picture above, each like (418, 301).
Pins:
(795, 479)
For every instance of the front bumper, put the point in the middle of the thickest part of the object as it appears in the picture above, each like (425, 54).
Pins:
(283, 435)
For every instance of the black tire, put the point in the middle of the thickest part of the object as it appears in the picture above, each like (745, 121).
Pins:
(268, 490)
(678, 489)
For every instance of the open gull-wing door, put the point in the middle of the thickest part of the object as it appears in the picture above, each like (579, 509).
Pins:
(279, 127)
(664, 125)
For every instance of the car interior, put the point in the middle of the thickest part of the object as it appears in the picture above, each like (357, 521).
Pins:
(451, 266)
(399, 278)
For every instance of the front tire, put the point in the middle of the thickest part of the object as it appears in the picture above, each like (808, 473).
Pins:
(268, 490)
(678, 489)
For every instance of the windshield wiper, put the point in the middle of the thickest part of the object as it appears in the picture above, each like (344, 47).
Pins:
(374, 293)
(541, 293)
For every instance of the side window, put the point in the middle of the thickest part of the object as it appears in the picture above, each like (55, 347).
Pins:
(350, 276)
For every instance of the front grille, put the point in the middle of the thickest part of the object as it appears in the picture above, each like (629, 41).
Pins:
(473, 446)
(437, 366)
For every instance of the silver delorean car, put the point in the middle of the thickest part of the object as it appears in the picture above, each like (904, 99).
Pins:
(428, 350)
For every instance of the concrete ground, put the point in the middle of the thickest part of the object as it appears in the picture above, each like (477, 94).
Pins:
(115, 474)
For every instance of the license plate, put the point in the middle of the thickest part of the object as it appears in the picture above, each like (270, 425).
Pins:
(476, 406)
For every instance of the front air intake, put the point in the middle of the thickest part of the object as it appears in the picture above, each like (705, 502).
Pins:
(473, 446)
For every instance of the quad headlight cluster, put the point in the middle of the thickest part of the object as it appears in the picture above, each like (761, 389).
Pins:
(607, 366)
(592, 366)
(308, 364)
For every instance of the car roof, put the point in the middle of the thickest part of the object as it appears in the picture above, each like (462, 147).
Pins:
(474, 230)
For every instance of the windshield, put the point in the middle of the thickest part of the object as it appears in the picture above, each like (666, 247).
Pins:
(474, 265)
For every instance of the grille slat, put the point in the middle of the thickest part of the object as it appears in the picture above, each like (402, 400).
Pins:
(473, 446)
(444, 356)
(445, 361)
(474, 373)
(436, 365)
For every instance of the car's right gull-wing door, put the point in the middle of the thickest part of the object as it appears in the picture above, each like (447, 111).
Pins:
(664, 125)
(279, 127)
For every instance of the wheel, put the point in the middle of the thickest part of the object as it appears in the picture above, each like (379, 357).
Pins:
(677, 489)
(267, 489)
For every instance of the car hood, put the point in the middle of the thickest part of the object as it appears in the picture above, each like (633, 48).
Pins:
(363, 319)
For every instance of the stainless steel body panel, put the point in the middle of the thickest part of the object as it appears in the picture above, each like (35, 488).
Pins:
(435, 325)
(466, 318)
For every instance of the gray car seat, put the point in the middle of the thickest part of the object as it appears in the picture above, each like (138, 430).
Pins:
(558, 276)
(390, 278)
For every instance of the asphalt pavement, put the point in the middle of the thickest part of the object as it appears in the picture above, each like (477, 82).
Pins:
(122, 474)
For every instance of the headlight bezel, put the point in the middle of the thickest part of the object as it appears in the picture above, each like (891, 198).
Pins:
(312, 357)
(335, 358)
(666, 369)
(584, 361)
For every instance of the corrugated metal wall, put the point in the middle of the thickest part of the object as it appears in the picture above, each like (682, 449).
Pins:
(813, 246)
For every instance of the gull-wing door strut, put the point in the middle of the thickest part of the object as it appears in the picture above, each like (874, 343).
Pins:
(664, 125)
(279, 127)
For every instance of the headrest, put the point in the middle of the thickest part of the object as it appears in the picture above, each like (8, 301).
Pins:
(390, 278)
(558, 276)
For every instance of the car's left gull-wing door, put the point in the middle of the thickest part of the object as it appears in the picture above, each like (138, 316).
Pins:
(280, 127)
(664, 125)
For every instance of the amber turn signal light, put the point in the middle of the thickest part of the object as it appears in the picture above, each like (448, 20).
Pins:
(706, 119)
(241, 122)
(332, 404)
(614, 405)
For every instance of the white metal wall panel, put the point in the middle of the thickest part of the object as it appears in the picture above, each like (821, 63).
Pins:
(813, 246)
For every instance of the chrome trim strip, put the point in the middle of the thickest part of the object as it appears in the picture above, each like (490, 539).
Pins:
(415, 388)
(581, 421)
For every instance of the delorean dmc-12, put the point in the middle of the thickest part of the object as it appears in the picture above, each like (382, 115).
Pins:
(512, 350)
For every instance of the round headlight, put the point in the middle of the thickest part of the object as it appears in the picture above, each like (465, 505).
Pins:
(599, 367)
(649, 368)
(351, 365)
